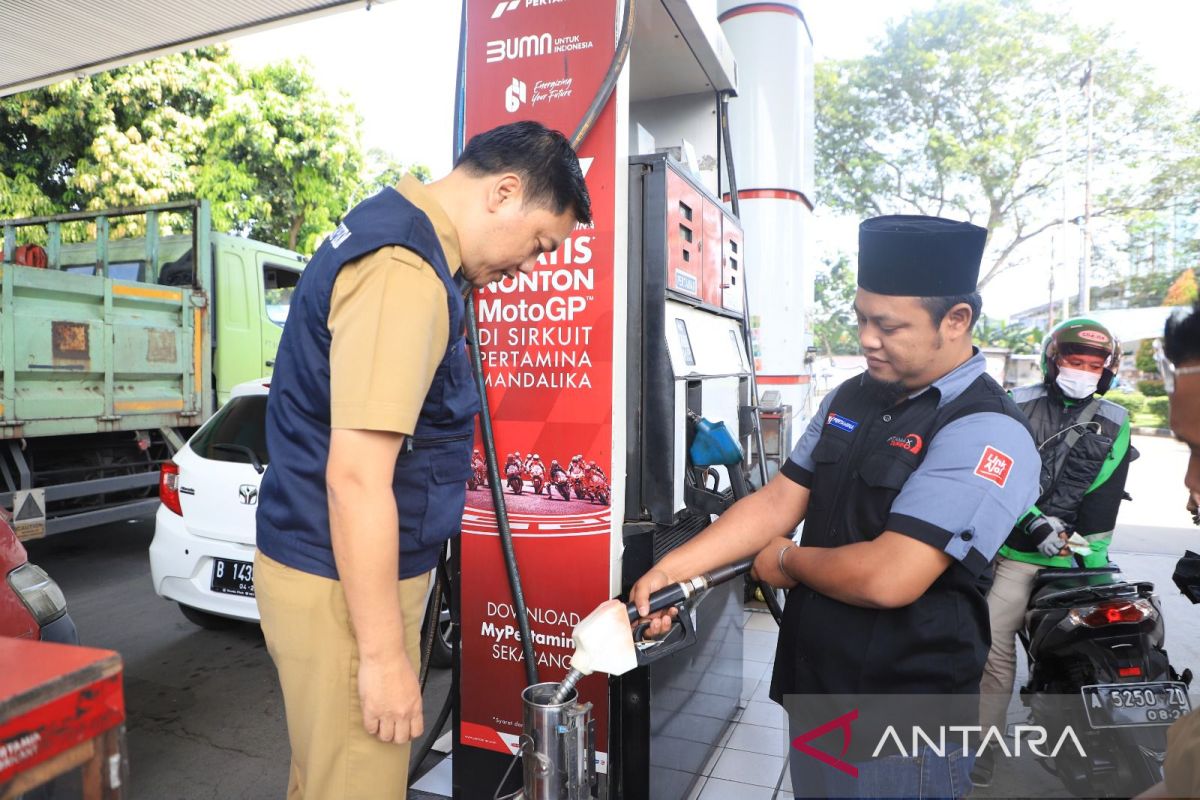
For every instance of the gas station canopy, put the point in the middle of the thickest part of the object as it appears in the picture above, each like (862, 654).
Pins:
(46, 41)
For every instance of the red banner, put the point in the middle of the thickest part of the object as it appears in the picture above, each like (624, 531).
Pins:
(547, 345)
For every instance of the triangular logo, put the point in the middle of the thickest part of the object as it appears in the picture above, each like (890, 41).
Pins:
(585, 164)
(30, 509)
(842, 724)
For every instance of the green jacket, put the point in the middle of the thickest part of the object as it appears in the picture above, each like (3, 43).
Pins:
(1094, 515)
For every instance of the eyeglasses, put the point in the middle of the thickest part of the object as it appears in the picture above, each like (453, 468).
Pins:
(1170, 372)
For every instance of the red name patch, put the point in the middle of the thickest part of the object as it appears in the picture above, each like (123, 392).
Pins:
(994, 466)
(910, 442)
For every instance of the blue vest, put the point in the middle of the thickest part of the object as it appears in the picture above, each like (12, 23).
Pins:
(431, 473)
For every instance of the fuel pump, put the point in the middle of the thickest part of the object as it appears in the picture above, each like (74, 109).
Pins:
(612, 357)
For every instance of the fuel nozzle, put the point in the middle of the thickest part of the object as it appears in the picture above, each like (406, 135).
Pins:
(604, 639)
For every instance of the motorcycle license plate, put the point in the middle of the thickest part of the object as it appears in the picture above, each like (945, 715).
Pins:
(233, 577)
(1121, 705)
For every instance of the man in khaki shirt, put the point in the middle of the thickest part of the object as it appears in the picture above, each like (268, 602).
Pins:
(369, 424)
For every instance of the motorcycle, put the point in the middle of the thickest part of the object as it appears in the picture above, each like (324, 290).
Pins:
(537, 478)
(1094, 642)
(562, 483)
(515, 483)
(596, 487)
(577, 486)
(478, 476)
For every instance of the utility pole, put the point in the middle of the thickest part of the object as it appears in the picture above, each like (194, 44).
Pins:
(1059, 241)
(1085, 260)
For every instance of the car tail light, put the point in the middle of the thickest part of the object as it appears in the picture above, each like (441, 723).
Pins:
(1113, 612)
(38, 592)
(168, 487)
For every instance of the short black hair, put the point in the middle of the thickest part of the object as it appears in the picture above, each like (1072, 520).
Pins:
(542, 157)
(1181, 338)
(939, 307)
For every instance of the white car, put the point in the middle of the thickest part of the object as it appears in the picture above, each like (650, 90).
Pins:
(202, 556)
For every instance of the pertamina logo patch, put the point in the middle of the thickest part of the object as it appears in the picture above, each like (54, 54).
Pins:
(909, 441)
(841, 423)
(994, 466)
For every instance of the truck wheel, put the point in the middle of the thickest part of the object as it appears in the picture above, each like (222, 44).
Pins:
(210, 622)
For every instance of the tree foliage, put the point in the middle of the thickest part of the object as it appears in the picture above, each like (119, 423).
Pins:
(1183, 291)
(1012, 336)
(834, 326)
(280, 160)
(1146, 359)
(974, 109)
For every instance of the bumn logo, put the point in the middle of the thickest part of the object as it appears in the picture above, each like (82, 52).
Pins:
(248, 493)
(514, 96)
(519, 47)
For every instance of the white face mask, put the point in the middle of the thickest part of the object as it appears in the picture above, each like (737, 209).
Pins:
(1076, 383)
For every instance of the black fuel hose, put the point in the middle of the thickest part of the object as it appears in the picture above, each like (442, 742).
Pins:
(624, 40)
(497, 487)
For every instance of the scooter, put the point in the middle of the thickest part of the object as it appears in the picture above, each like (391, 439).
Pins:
(1097, 664)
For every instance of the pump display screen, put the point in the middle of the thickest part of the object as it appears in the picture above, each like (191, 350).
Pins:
(685, 342)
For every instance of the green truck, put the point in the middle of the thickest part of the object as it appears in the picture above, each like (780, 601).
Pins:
(114, 350)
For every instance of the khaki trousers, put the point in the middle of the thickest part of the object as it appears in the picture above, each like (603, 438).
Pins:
(1006, 608)
(307, 628)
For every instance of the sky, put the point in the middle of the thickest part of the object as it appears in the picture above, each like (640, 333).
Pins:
(396, 63)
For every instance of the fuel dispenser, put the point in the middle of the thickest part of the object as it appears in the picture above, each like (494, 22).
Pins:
(607, 359)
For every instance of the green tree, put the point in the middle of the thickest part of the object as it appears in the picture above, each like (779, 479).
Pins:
(283, 160)
(279, 159)
(974, 109)
(1145, 360)
(123, 137)
(834, 325)
(1013, 336)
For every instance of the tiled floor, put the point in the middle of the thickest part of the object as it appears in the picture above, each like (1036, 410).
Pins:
(750, 762)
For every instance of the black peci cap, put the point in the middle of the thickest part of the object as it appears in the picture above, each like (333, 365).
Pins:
(918, 256)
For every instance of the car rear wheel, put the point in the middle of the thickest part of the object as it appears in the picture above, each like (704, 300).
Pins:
(210, 622)
(442, 654)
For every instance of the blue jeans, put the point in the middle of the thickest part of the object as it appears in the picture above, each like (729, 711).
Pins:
(924, 777)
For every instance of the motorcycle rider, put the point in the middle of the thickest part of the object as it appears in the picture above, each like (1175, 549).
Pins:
(536, 470)
(575, 470)
(558, 477)
(1084, 444)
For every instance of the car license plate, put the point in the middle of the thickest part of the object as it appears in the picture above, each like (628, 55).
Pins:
(1120, 705)
(233, 577)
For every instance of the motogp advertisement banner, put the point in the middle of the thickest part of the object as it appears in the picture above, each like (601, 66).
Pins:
(547, 345)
